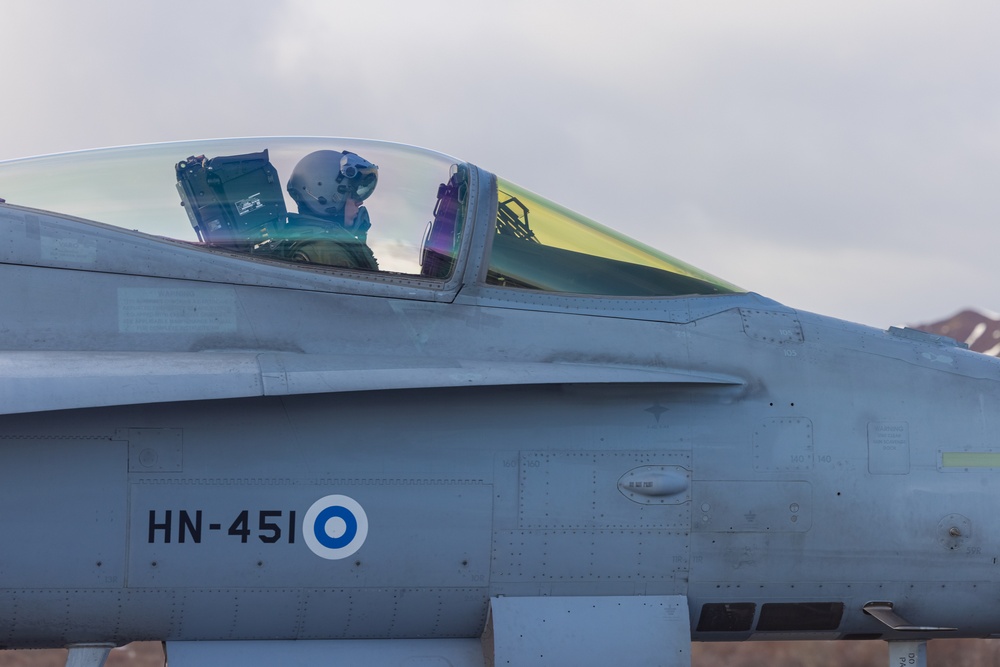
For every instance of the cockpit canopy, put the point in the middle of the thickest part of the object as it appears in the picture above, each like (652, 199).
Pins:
(359, 208)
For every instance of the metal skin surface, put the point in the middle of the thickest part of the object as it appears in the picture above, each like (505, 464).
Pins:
(783, 468)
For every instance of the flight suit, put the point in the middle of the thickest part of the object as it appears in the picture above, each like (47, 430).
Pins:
(323, 241)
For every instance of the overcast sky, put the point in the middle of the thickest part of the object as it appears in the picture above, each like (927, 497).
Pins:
(842, 158)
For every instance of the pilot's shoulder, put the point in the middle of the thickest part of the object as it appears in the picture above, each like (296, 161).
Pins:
(301, 225)
(301, 220)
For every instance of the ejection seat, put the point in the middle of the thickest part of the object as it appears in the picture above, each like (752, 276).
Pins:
(233, 201)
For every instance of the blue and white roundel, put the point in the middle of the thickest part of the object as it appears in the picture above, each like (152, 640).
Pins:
(335, 527)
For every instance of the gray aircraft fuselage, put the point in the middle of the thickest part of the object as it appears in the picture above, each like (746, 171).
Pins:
(195, 451)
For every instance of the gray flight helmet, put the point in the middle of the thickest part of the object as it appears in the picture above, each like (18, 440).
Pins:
(324, 180)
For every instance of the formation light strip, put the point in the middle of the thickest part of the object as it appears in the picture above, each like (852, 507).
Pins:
(970, 459)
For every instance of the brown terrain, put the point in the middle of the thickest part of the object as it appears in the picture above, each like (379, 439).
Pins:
(979, 331)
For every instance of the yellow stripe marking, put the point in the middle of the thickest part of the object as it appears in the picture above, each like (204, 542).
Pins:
(970, 459)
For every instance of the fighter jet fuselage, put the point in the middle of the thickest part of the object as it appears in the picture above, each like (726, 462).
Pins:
(203, 443)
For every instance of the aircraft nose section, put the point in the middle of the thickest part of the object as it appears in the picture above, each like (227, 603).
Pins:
(655, 484)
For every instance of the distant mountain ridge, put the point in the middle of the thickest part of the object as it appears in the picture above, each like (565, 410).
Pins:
(977, 330)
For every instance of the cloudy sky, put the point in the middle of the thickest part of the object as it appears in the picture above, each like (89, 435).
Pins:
(840, 157)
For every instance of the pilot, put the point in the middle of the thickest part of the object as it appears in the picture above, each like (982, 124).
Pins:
(332, 225)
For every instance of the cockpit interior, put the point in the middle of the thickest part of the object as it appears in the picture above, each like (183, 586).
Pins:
(380, 210)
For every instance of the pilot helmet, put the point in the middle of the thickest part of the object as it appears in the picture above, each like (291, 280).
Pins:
(323, 181)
